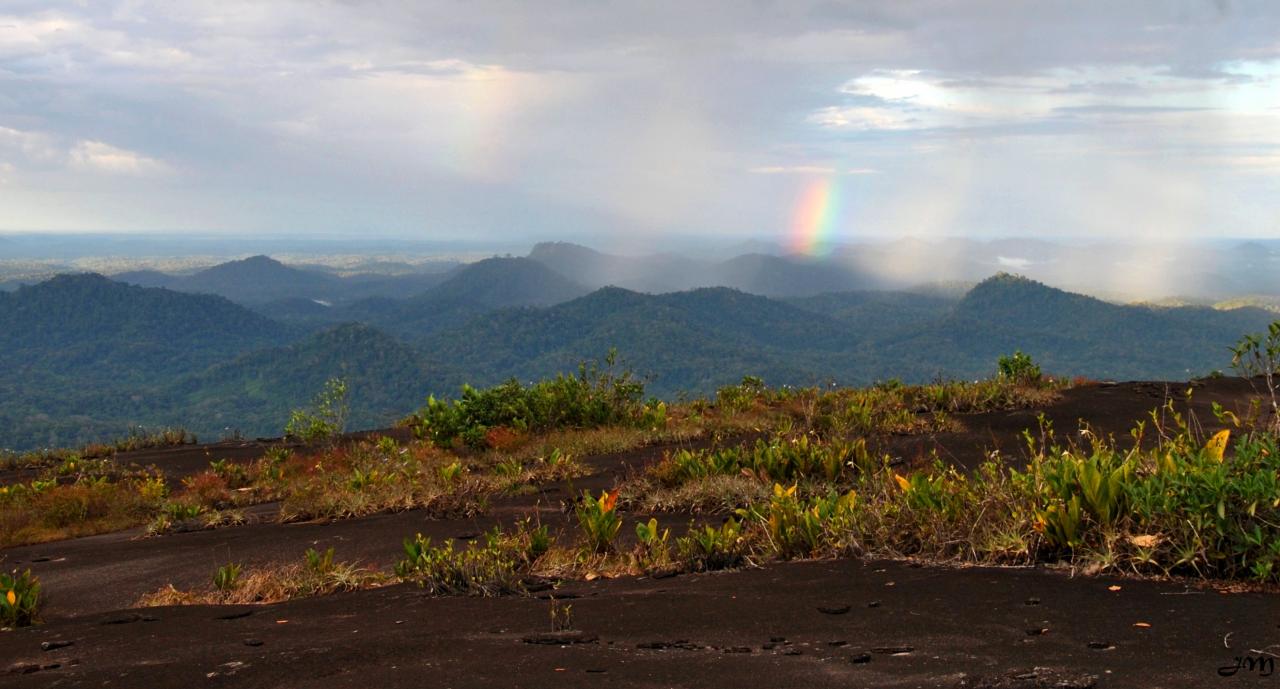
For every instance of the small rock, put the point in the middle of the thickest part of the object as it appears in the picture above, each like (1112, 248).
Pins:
(838, 643)
(834, 610)
(792, 652)
(737, 649)
(873, 604)
(778, 639)
(1032, 601)
(1037, 631)
(892, 650)
(860, 658)
(253, 642)
(51, 645)
(1101, 645)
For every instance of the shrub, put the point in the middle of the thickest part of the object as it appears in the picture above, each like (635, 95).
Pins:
(1019, 368)
(20, 599)
(594, 397)
(1258, 355)
(325, 419)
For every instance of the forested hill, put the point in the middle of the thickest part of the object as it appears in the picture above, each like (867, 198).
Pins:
(85, 357)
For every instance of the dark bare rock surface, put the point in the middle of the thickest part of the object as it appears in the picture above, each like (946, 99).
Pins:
(936, 627)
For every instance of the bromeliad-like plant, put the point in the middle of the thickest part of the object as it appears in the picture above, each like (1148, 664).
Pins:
(711, 548)
(487, 569)
(20, 599)
(227, 577)
(652, 548)
(796, 528)
(599, 520)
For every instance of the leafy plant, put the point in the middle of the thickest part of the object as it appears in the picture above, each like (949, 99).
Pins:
(594, 397)
(712, 547)
(1019, 368)
(652, 548)
(599, 520)
(227, 577)
(20, 599)
(319, 563)
(1258, 355)
(795, 527)
(561, 616)
(326, 417)
(486, 570)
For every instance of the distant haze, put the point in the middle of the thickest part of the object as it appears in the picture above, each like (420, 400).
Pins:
(1171, 273)
(806, 125)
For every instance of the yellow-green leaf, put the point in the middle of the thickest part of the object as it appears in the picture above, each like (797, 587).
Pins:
(903, 483)
(1217, 445)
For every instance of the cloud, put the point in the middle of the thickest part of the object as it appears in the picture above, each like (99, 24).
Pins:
(810, 170)
(96, 156)
(523, 119)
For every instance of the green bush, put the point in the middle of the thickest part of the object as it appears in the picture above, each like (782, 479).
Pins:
(325, 419)
(1019, 368)
(592, 398)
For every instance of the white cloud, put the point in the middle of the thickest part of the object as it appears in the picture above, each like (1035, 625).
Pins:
(792, 170)
(97, 156)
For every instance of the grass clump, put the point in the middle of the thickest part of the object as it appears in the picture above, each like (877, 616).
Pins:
(378, 476)
(317, 574)
(81, 504)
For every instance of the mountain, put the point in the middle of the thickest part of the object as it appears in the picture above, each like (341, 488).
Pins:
(254, 393)
(685, 341)
(756, 273)
(82, 357)
(477, 288)
(259, 281)
(98, 331)
(878, 312)
(779, 276)
(503, 282)
(1079, 335)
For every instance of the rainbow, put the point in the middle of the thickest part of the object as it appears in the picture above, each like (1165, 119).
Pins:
(815, 218)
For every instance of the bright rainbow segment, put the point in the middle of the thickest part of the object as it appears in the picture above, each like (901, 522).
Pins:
(815, 218)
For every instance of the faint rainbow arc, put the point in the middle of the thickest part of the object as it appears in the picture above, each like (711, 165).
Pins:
(814, 221)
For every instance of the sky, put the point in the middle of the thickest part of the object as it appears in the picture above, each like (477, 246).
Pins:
(806, 123)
